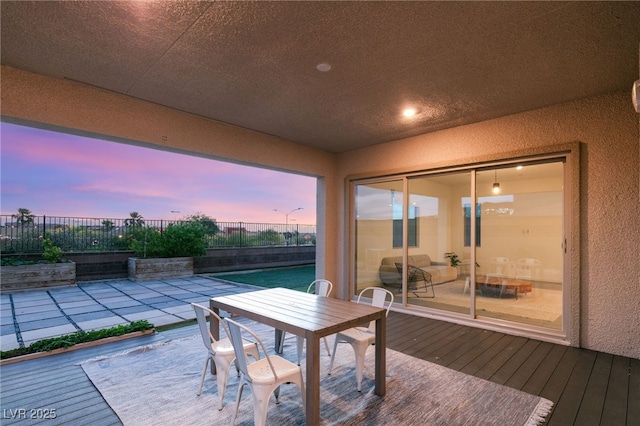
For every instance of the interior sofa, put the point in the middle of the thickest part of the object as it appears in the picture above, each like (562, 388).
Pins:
(440, 271)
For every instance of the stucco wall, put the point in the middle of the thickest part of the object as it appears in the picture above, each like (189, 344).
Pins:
(607, 128)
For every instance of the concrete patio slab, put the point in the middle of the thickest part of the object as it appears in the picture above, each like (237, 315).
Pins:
(29, 316)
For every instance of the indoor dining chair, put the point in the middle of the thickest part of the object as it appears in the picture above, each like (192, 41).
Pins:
(320, 287)
(360, 338)
(220, 351)
(263, 376)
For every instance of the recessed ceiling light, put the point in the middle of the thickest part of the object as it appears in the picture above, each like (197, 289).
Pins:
(409, 112)
(323, 67)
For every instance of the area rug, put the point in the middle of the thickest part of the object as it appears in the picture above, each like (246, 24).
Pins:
(157, 385)
(542, 306)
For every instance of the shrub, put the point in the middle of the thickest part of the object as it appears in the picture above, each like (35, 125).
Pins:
(75, 338)
(51, 253)
(186, 239)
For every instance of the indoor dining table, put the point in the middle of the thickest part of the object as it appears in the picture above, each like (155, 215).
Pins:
(312, 317)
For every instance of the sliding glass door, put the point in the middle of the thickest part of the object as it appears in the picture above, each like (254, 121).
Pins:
(480, 243)
(520, 256)
(439, 202)
(378, 233)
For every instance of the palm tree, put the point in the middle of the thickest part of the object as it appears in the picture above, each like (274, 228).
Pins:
(24, 216)
(135, 219)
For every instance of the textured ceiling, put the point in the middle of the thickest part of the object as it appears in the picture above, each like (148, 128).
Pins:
(253, 64)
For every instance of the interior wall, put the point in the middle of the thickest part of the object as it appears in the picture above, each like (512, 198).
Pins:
(607, 128)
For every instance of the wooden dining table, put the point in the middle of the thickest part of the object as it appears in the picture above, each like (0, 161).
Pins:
(312, 317)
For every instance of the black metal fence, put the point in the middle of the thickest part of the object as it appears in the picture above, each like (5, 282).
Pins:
(23, 235)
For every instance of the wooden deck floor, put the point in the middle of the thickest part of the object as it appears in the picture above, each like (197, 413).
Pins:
(587, 387)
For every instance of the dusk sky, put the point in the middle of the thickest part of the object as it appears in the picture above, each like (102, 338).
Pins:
(58, 174)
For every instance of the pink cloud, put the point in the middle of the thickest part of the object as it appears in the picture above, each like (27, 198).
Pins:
(66, 175)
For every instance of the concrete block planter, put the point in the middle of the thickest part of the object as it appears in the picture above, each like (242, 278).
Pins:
(38, 276)
(160, 268)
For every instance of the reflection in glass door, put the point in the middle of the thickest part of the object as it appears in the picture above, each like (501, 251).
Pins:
(520, 257)
(439, 203)
(495, 252)
(378, 226)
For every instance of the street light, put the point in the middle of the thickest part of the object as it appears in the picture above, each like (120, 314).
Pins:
(286, 215)
(286, 219)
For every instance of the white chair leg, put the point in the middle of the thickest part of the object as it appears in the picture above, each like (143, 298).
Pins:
(302, 391)
(326, 344)
(204, 373)
(223, 367)
(300, 343)
(221, 377)
(261, 404)
(240, 387)
(333, 355)
(360, 353)
(301, 346)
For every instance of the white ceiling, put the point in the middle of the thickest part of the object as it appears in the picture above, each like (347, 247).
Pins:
(253, 64)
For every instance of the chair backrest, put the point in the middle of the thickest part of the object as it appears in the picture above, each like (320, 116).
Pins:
(378, 299)
(526, 267)
(416, 274)
(205, 331)
(320, 287)
(500, 265)
(235, 335)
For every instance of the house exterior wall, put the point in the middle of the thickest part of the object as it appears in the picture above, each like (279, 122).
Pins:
(606, 126)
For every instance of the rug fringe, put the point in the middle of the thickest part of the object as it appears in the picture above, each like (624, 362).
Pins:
(540, 413)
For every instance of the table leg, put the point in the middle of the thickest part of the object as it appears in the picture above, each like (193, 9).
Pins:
(313, 380)
(381, 356)
(278, 338)
(214, 326)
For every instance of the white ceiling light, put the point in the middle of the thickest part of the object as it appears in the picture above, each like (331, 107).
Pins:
(323, 67)
(409, 112)
(635, 95)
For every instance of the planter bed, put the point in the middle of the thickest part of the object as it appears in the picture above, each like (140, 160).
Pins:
(38, 276)
(160, 268)
(76, 347)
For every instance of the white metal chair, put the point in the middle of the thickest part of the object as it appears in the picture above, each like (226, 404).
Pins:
(527, 268)
(220, 352)
(263, 376)
(323, 288)
(501, 266)
(360, 338)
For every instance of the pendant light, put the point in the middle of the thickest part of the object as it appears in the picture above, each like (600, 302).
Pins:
(496, 185)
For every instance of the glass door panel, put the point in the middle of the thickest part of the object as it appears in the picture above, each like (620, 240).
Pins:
(378, 211)
(520, 254)
(438, 202)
